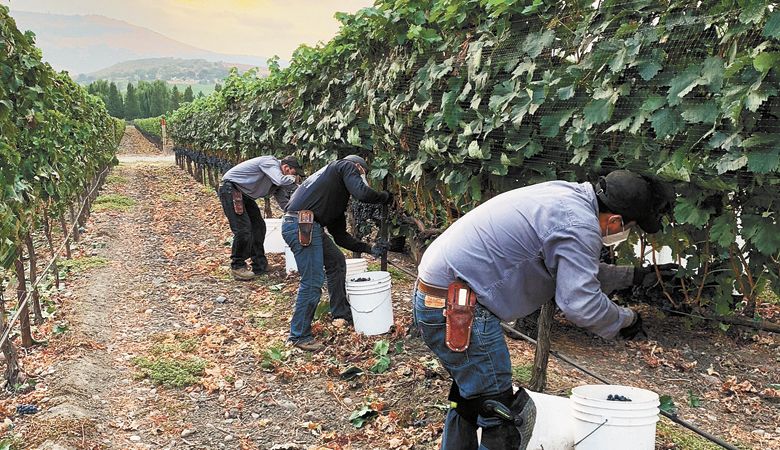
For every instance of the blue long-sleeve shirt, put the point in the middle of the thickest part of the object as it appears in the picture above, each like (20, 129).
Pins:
(523, 247)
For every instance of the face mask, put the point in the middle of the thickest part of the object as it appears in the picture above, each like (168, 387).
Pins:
(363, 177)
(612, 240)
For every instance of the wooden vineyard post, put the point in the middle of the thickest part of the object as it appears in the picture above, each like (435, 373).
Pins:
(21, 292)
(54, 255)
(35, 298)
(267, 208)
(9, 351)
(539, 376)
(75, 223)
(65, 235)
(384, 232)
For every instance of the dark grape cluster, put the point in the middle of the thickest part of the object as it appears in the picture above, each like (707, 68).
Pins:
(366, 216)
(360, 279)
(617, 398)
(26, 409)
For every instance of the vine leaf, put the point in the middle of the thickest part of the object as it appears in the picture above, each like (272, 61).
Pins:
(772, 27)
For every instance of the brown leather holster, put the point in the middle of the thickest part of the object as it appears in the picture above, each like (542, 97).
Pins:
(305, 226)
(238, 201)
(459, 311)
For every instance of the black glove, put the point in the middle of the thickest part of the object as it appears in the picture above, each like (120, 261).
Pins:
(387, 198)
(378, 249)
(646, 276)
(631, 331)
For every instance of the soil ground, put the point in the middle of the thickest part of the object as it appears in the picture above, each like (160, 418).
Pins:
(153, 345)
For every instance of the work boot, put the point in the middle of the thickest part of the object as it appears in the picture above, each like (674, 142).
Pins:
(309, 346)
(242, 274)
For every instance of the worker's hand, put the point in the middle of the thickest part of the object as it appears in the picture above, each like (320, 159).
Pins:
(387, 198)
(634, 329)
(379, 248)
(647, 277)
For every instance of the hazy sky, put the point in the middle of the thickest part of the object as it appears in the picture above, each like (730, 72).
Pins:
(250, 27)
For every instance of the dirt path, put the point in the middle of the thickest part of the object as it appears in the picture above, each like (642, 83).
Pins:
(156, 347)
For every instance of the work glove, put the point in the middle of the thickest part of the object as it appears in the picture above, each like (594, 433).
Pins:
(387, 198)
(646, 276)
(379, 248)
(634, 329)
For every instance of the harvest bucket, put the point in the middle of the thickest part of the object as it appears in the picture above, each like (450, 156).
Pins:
(289, 260)
(356, 266)
(601, 424)
(274, 243)
(369, 299)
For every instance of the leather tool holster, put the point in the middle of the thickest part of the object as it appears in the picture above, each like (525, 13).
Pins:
(459, 311)
(238, 201)
(305, 226)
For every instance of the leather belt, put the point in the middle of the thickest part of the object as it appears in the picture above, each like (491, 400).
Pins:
(435, 297)
(291, 214)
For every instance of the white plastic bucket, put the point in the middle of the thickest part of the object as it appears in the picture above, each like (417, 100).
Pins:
(356, 265)
(274, 243)
(601, 424)
(370, 301)
(554, 429)
(289, 260)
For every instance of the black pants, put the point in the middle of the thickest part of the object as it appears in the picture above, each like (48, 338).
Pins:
(248, 231)
(336, 274)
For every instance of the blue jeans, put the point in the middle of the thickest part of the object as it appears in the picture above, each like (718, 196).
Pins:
(483, 369)
(314, 262)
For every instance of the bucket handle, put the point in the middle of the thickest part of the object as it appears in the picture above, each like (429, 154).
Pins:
(594, 430)
(370, 310)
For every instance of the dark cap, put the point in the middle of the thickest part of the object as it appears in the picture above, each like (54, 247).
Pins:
(292, 161)
(636, 198)
(358, 160)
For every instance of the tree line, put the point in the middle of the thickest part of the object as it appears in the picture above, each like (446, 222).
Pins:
(147, 99)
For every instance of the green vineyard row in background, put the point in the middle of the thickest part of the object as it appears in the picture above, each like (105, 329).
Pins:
(458, 101)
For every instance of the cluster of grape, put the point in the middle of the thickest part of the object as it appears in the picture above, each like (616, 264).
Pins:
(26, 409)
(360, 279)
(366, 217)
(617, 398)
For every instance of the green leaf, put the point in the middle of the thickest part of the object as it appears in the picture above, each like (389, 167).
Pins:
(687, 211)
(551, 123)
(693, 400)
(765, 61)
(353, 136)
(667, 405)
(597, 111)
(752, 11)
(536, 42)
(729, 162)
(723, 230)
(683, 83)
(704, 112)
(381, 347)
(772, 27)
(648, 69)
(381, 365)
(566, 93)
(359, 417)
(666, 122)
(712, 73)
(764, 161)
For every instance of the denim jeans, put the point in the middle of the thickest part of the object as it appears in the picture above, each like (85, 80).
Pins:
(483, 369)
(248, 231)
(313, 262)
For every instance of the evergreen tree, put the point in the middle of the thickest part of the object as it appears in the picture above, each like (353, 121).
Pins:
(145, 99)
(132, 107)
(217, 87)
(201, 94)
(188, 96)
(115, 105)
(175, 99)
(99, 88)
(160, 98)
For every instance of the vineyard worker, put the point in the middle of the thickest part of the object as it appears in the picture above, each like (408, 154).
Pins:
(241, 186)
(325, 194)
(515, 252)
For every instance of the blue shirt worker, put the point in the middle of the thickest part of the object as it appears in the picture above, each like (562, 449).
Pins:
(326, 194)
(241, 186)
(515, 252)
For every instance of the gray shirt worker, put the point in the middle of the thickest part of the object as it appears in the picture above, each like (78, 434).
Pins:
(259, 177)
(525, 246)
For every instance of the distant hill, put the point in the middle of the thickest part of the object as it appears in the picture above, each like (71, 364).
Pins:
(85, 44)
(175, 70)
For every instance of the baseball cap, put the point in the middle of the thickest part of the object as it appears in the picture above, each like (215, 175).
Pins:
(357, 159)
(292, 161)
(636, 198)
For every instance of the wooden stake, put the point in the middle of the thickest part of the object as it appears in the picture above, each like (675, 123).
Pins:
(539, 376)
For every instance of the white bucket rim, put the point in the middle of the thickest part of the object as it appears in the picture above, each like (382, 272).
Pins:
(376, 278)
(599, 392)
